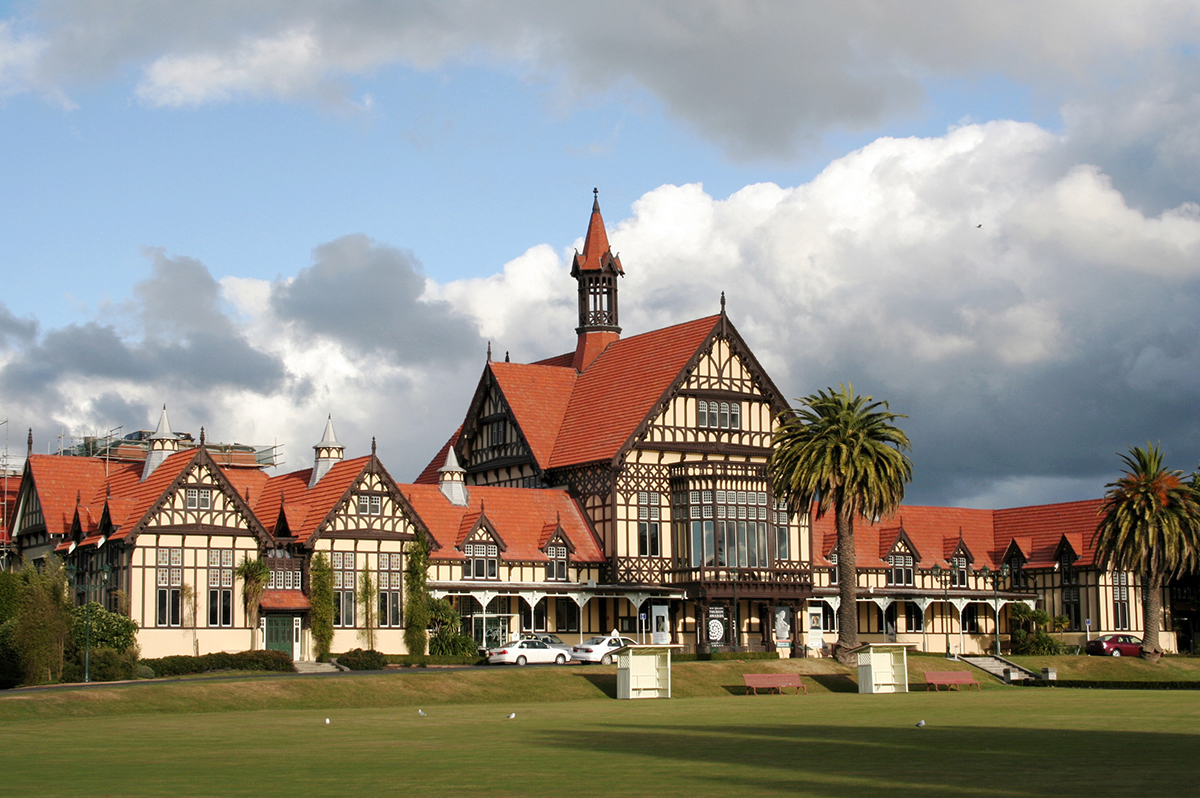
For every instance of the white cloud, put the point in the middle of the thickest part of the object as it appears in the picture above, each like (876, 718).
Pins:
(756, 77)
(1027, 319)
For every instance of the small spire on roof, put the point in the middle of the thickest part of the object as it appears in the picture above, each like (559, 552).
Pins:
(29, 443)
(506, 358)
(78, 498)
(330, 437)
(372, 445)
(489, 351)
(202, 436)
(722, 302)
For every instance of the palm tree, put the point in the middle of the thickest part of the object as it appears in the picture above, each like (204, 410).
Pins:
(841, 451)
(1150, 524)
(254, 575)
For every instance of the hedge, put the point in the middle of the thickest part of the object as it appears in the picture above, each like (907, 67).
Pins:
(1094, 684)
(424, 660)
(724, 655)
(179, 664)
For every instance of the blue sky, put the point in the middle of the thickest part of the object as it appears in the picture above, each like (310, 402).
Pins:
(159, 152)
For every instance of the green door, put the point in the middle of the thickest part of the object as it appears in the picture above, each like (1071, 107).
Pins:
(279, 634)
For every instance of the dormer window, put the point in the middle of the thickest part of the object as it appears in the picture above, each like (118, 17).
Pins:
(556, 568)
(370, 505)
(958, 571)
(199, 498)
(1016, 573)
(483, 561)
(901, 571)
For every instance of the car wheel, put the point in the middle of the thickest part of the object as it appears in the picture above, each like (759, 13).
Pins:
(560, 660)
(1116, 652)
(521, 660)
(606, 659)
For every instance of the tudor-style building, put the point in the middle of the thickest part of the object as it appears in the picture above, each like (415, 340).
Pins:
(663, 439)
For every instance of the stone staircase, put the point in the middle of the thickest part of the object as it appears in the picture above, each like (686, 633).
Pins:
(315, 667)
(996, 666)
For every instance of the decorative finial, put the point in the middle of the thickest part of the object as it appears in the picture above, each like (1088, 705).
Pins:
(596, 193)
(489, 351)
(202, 436)
(107, 491)
(372, 445)
(78, 498)
(506, 360)
(722, 301)
(29, 443)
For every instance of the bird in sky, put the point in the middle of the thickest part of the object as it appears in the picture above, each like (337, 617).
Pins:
(421, 712)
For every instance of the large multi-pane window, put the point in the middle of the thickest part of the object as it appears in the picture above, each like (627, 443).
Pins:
(391, 586)
(170, 583)
(567, 615)
(649, 514)
(780, 518)
(1070, 590)
(1121, 600)
(344, 587)
(220, 587)
(533, 619)
(725, 528)
(482, 561)
(914, 617)
(901, 570)
(718, 415)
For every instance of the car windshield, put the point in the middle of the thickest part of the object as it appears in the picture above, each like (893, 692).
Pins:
(552, 639)
(594, 641)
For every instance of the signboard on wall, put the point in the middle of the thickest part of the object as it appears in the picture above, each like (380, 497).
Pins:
(716, 624)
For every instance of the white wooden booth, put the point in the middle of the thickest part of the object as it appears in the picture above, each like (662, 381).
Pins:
(644, 671)
(883, 667)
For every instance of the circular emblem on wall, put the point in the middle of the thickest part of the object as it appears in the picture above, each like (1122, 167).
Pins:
(716, 629)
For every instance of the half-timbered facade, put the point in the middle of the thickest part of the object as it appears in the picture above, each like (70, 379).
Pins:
(663, 440)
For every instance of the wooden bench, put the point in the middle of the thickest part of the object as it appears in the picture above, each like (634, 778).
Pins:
(952, 679)
(773, 681)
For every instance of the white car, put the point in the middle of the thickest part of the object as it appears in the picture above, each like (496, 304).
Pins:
(522, 652)
(600, 649)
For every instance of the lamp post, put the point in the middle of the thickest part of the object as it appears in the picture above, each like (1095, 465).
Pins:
(996, 577)
(73, 576)
(942, 575)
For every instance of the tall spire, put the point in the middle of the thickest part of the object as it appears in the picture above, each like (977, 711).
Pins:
(328, 453)
(596, 270)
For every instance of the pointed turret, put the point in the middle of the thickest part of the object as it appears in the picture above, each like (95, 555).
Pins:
(596, 270)
(328, 453)
(163, 443)
(452, 480)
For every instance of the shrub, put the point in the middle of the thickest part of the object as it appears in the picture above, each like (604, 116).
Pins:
(360, 659)
(108, 629)
(10, 656)
(452, 643)
(143, 671)
(258, 660)
(321, 597)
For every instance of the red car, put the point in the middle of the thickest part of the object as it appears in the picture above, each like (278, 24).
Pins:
(1115, 646)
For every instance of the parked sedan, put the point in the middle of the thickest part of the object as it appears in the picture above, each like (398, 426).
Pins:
(1115, 646)
(600, 649)
(552, 640)
(521, 652)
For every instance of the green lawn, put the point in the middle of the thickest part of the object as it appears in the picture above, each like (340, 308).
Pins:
(267, 736)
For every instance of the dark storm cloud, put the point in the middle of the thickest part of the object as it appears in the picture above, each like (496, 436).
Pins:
(366, 296)
(188, 341)
(15, 330)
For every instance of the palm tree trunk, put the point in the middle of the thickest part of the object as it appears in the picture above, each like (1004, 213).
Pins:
(847, 568)
(1151, 616)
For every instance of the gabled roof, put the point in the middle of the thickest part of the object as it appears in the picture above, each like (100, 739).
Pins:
(304, 508)
(1043, 527)
(429, 474)
(622, 387)
(538, 397)
(518, 515)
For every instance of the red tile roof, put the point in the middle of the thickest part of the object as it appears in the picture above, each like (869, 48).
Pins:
(621, 387)
(538, 396)
(519, 516)
(987, 534)
(304, 508)
(429, 474)
(294, 600)
(1041, 528)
